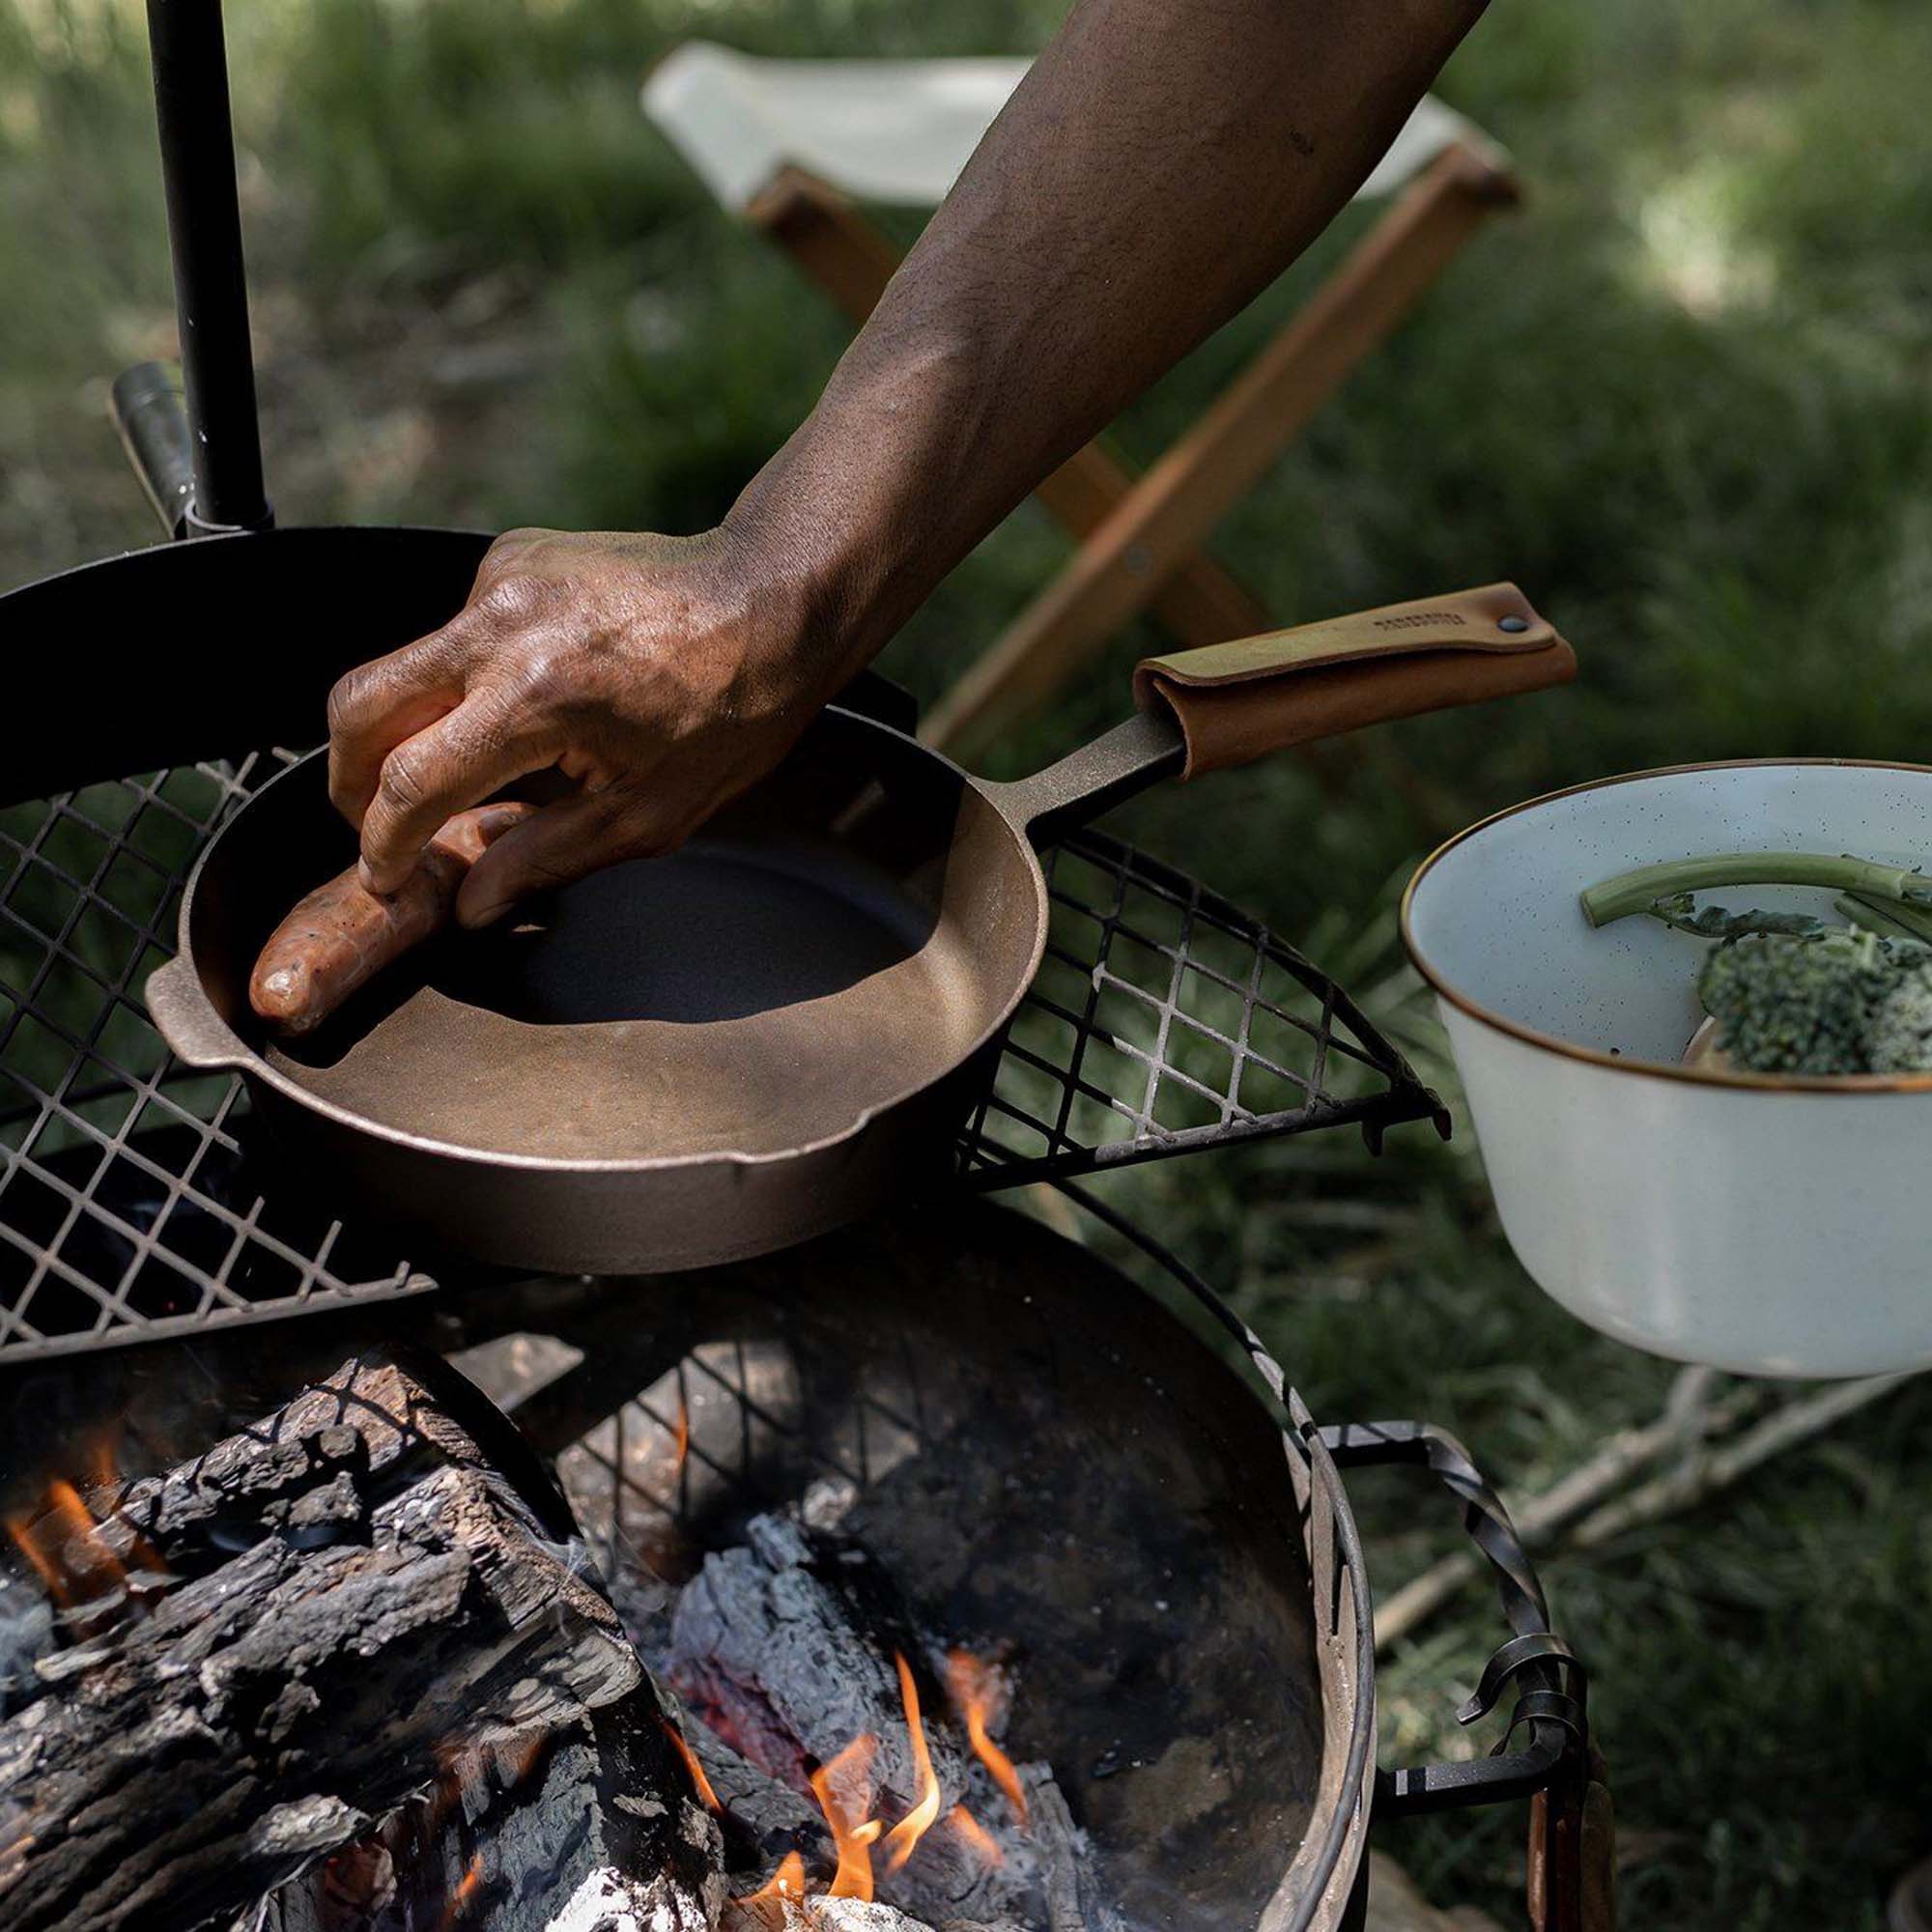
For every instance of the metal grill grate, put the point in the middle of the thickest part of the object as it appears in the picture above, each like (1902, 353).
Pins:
(127, 1206)
(1164, 1020)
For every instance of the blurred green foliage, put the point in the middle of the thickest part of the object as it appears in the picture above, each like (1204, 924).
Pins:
(1683, 398)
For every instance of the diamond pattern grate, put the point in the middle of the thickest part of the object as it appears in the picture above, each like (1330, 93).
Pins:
(1163, 1020)
(129, 1206)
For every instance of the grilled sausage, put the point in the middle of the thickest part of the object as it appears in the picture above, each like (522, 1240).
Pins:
(342, 934)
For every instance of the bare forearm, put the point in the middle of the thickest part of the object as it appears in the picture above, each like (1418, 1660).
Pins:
(1162, 162)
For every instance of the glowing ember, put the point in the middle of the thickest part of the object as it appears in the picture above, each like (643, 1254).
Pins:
(464, 1895)
(683, 1439)
(706, 1795)
(970, 1681)
(917, 1822)
(976, 1835)
(833, 1784)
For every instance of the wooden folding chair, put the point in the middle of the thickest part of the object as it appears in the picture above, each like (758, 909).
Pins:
(795, 147)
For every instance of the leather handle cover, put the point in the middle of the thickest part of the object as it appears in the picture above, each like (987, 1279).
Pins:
(1238, 702)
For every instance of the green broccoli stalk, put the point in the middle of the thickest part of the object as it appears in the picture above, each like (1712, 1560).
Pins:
(1652, 889)
(1887, 921)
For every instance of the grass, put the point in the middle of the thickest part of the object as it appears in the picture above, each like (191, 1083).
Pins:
(1683, 398)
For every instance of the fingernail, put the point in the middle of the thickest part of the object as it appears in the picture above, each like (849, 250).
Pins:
(366, 878)
(489, 914)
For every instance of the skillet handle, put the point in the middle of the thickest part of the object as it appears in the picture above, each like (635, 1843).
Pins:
(1239, 701)
(1227, 704)
(195, 1032)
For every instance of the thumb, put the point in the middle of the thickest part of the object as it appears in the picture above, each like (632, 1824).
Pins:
(548, 848)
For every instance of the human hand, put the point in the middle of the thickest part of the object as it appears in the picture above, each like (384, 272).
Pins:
(662, 674)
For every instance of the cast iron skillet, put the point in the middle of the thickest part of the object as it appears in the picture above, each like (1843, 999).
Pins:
(774, 1030)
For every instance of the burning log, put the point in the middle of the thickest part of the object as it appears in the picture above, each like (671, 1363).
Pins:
(781, 1647)
(274, 1644)
(589, 1829)
(784, 1646)
(763, 1821)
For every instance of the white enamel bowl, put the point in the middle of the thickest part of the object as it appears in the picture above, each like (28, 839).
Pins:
(1768, 1226)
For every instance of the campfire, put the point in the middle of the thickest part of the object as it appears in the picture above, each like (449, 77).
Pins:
(312, 1550)
(892, 1600)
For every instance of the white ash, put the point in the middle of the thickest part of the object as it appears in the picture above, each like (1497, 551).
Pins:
(843, 1914)
(828, 1501)
(607, 1901)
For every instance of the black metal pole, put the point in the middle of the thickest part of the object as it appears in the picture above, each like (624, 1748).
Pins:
(211, 288)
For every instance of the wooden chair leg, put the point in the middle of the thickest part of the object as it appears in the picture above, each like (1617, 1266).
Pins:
(835, 245)
(1227, 451)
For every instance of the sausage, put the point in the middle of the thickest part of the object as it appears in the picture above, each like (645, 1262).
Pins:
(342, 934)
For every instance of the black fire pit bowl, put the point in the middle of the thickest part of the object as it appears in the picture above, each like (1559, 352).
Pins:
(1046, 1464)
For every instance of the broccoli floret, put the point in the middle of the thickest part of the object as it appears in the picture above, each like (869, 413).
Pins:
(1798, 1005)
(1790, 994)
(1898, 1038)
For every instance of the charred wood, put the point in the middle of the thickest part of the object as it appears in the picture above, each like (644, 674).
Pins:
(273, 1646)
(591, 1826)
(761, 1819)
(783, 1647)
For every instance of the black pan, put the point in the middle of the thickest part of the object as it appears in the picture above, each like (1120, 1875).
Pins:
(700, 1057)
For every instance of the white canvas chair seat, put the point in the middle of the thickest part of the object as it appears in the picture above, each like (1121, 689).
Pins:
(897, 132)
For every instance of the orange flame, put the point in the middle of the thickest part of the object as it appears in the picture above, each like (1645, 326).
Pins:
(968, 1678)
(683, 1437)
(707, 1796)
(64, 1549)
(833, 1785)
(917, 1822)
(786, 1883)
(24, 1531)
(976, 1835)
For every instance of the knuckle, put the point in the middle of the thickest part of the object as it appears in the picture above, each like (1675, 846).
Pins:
(517, 598)
(539, 874)
(347, 700)
(545, 681)
(402, 787)
(511, 542)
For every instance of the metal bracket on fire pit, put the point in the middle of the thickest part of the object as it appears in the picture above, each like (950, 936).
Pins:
(1554, 1686)
(130, 1207)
